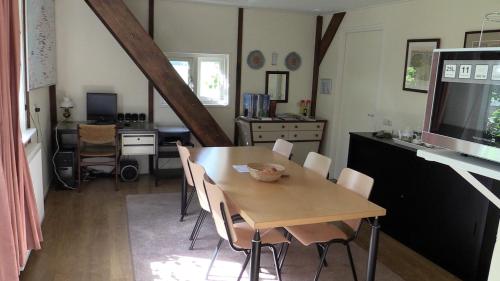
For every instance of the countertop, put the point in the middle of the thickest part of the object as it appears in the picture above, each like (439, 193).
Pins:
(369, 135)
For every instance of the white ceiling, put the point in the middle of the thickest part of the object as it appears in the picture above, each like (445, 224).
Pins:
(315, 6)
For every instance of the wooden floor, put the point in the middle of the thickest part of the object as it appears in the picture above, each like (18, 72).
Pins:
(86, 237)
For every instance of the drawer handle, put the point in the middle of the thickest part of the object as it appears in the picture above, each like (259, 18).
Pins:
(295, 135)
(282, 126)
(282, 136)
(296, 126)
(260, 136)
(317, 135)
(260, 127)
(318, 126)
(138, 139)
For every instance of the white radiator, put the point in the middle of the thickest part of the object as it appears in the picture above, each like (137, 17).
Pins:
(34, 156)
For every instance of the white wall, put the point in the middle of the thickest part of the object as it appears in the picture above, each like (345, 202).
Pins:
(445, 19)
(198, 28)
(89, 58)
(281, 32)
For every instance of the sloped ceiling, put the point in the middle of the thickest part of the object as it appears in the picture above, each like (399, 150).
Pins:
(313, 6)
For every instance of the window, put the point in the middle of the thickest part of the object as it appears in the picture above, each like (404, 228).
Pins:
(205, 74)
(22, 83)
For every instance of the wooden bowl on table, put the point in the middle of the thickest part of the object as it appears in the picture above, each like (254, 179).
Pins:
(266, 172)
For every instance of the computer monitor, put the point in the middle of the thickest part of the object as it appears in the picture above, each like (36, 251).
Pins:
(101, 107)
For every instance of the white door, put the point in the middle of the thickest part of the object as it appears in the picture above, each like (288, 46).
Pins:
(360, 89)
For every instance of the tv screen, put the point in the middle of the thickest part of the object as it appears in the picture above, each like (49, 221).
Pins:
(101, 107)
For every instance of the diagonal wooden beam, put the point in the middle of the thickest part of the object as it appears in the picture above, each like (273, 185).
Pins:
(321, 46)
(141, 48)
(330, 34)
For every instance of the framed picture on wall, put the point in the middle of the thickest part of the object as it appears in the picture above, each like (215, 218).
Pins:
(491, 38)
(418, 59)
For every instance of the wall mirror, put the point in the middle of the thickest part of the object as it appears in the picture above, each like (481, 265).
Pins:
(277, 85)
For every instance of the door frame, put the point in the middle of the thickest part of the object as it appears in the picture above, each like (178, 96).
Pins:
(338, 111)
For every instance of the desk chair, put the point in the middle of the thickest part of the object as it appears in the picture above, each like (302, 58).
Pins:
(239, 235)
(97, 141)
(283, 147)
(188, 177)
(325, 234)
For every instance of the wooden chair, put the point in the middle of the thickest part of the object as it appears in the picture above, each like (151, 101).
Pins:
(197, 172)
(188, 177)
(97, 141)
(318, 163)
(325, 234)
(239, 235)
(283, 147)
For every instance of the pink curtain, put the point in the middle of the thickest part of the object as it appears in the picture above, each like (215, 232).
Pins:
(19, 225)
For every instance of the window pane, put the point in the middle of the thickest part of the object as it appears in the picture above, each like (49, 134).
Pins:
(212, 82)
(182, 67)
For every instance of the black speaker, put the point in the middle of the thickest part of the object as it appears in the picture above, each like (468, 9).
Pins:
(134, 117)
(128, 117)
(129, 170)
(120, 117)
(142, 117)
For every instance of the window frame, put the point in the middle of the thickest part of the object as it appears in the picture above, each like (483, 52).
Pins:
(195, 60)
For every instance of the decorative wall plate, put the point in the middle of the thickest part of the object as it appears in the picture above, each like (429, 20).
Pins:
(293, 61)
(255, 59)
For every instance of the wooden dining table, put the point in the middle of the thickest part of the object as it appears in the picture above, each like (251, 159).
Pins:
(300, 197)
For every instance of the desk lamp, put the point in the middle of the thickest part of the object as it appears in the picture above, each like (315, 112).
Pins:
(66, 104)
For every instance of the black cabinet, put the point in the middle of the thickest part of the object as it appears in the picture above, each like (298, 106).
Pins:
(430, 208)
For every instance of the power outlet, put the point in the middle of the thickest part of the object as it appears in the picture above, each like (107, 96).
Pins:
(36, 108)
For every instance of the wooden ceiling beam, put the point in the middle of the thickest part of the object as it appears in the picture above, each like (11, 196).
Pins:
(141, 48)
(321, 45)
(330, 34)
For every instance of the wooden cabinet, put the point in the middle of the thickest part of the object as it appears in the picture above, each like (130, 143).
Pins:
(430, 208)
(306, 135)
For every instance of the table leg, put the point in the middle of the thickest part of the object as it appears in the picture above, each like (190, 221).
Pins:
(255, 257)
(372, 255)
(183, 196)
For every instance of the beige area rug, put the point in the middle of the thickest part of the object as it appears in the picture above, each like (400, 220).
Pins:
(159, 244)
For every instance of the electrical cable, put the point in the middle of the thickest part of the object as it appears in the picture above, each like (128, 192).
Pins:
(37, 127)
(54, 163)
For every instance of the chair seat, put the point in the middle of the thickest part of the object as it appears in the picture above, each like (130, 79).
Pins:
(98, 151)
(245, 233)
(316, 233)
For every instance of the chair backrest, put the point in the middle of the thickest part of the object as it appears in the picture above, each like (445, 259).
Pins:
(318, 163)
(216, 196)
(359, 183)
(283, 147)
(97, 134)
(198, 171)
(184, 155)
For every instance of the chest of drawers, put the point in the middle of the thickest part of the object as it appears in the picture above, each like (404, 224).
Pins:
(305, 135)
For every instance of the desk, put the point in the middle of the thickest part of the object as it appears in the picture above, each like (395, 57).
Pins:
(302, 198)
(135, 127)
(138, 138)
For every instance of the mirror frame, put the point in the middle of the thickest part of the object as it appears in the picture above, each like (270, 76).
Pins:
(287, 75)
